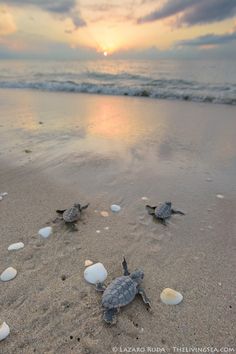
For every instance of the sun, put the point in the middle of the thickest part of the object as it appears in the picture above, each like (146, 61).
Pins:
(105, 54)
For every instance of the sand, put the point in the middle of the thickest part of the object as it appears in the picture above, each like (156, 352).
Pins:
(106, 150)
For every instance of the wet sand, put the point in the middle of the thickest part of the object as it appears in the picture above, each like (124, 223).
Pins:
(105, 150)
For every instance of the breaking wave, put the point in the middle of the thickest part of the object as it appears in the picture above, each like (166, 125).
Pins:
(146, 84)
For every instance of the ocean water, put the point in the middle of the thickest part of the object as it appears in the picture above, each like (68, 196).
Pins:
(190, 80)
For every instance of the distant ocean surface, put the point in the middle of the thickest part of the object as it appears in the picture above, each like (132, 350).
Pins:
(190, 80)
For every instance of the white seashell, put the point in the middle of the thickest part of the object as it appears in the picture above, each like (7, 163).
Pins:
(104, 213)
(16, 246)
(115, 208)
(106, 228)
(95, 273)
(3, 194)
(8, 274)
(4, 331)
(144, 198)
(171, 297)
(45, 231)
(88, 263)
(98, 231)
(220, 196)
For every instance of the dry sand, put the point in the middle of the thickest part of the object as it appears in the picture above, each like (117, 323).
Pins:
(106, 150)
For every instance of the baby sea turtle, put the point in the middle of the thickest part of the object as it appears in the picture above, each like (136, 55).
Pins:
(163, 212)
(72, 215)
(121, 292)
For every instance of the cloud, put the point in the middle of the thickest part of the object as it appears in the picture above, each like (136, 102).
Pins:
(102, 7)
(77, 20)
(103, 11)
(57, 6)
(170, 8)
(209, 40)
(63, 8)
(7, 23)
(192, 12)
(37, 47)
(210, 11)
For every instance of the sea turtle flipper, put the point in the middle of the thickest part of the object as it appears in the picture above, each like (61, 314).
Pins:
(125, 267)
(177, 212)
(57, 219)
(100, 287)
(163, 221)
(144, 296)
(60, 211)
(84, 207)
(109, 315)
(150, 209)
(71, 226)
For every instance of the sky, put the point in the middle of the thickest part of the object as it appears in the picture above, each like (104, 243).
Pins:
(117, 29)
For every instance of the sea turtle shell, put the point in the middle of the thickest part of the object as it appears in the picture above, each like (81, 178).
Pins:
(119, 293)
(71, 214)
(164, 211)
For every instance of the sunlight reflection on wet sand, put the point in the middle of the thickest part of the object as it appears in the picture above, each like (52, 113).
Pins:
(137, 132)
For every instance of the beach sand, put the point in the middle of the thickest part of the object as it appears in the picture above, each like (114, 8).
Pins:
(106, 150)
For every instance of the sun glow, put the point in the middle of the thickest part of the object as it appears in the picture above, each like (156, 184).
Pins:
(105, 54)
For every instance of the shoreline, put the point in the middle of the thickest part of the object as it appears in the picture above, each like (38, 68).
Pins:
(142, 95)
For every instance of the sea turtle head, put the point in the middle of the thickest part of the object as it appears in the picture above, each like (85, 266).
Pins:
(137, 276)
(77, 205)
(168, 203)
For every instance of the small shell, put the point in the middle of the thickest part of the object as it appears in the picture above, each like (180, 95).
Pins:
(16, 246)
(45, 232)
(88, 263)
(144, 198)
(98, 231)
(104, 213)
(3, 194)
(4, 331)
(171, 297)
(115, 208)
(8, 274)
(220, 196)
(95, 273)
